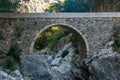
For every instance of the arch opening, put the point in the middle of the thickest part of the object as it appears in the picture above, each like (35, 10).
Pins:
(84, 47)
(65, 51)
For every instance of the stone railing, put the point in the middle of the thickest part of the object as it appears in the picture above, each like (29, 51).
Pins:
(59, 15)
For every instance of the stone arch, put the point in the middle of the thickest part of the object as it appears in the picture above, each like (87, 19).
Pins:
(82, 39)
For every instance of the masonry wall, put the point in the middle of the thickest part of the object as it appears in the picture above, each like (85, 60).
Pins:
(97, 30)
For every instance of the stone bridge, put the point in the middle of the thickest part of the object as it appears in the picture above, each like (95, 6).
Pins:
(94, 30)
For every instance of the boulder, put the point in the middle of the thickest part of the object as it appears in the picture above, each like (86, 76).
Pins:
(105, 68)
(15, 75)
(35, 67)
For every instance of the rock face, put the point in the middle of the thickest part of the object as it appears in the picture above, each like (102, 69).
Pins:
(53, 66)
(105, 68)
(103, 65)
(35, 67)
(15, 75)
(31, 6)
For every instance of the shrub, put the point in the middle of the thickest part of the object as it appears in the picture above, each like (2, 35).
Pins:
(8, 5)
(116, 45)
(9, 64)
(13, 57)
(41, 42)
(64, 53)
(62, 32)
(75, 43)
(50, 37)
(76, 51)
(67, 39)
(14, 51)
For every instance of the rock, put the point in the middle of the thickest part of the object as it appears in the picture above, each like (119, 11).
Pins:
(31, 6)
(41, 75)
(109, 44)
(105, 65)
(105, 68)
(6, 76)
(35, 67)
(49, 60)
(64, 68)
(56, 61)
(16, 73)
(3, 75)
(48, 66)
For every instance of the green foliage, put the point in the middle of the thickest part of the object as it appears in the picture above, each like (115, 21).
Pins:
(55, 7)
(69, 6)
(64, 53)
(83, 6)
(51, 40)
(15, 51)
(13, 56)
(94, 3)
(75, 43)
(57, 36)
(67, 39)
(76, 6)
(9, 64)
(44, 40)
(116, 45)
(8, 5)
(41, 42)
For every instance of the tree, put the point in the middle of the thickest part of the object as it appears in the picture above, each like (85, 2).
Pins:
(55, 7)
(76, 6)
(69, 6)
(8, 5)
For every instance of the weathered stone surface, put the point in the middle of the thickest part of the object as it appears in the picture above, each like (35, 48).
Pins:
(105, 65)
(34, 67)
(3, 34)
(96, 30)
(105, 68)
(49, 66)
(101, 66)
(15, 75)
(31, 6)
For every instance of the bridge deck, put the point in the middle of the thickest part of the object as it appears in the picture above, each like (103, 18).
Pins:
(59, 15)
